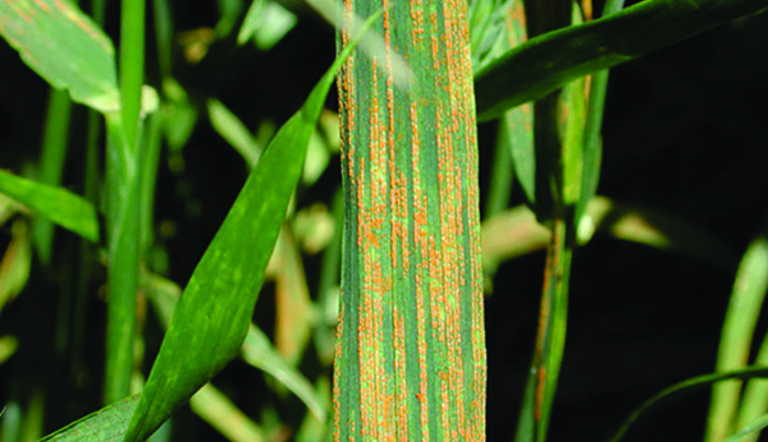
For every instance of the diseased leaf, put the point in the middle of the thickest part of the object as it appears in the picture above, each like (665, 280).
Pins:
(556, 58)
(213, 316)
(410, 354)
(64, 208)
(65, 47)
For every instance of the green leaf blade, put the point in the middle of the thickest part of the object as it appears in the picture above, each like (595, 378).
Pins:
(556, 58)
(65, 47)
(66, 209)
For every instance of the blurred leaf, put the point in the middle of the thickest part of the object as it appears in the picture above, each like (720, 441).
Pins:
(65, 47)
(318, 157)
(52, 160)
(105, 425)
(744, 307)
(212, 318)
(180, 115)
(515, 232)
(754, 405)
(256, 349)
(266, 22)
(16, 262)
(688, 386)
(215, 408)
(60, 206)
(559, 57)
(314, 228)
(295, 316)
(8, 346)
(655, 228)
(752, 430)
(234, 132)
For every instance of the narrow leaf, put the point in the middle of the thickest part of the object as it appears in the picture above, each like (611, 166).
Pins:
(66, 209)
(212, 318)
(592, 144)
(747, 298)
(556, 58)
(65, 47)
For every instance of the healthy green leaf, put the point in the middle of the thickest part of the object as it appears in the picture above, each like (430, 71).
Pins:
(65, 47)
(688, 386)
(60, 206)
(212, 319)
(556, 58)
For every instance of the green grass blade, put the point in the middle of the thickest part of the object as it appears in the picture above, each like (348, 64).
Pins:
(52, 161)
(516, 126)
(63, 45)
(211, 320)
(550, 340)
(410, 357)
(738, 329)
(123, 244)
(688, 386)
(556, 58)
(755, 401)
(131, 67)
(60, 206)
(105, 425)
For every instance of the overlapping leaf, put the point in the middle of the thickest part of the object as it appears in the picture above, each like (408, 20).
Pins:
(212, 318)
(64, 208)
(556, 58)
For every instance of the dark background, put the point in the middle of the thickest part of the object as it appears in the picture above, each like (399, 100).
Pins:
(683, 132)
